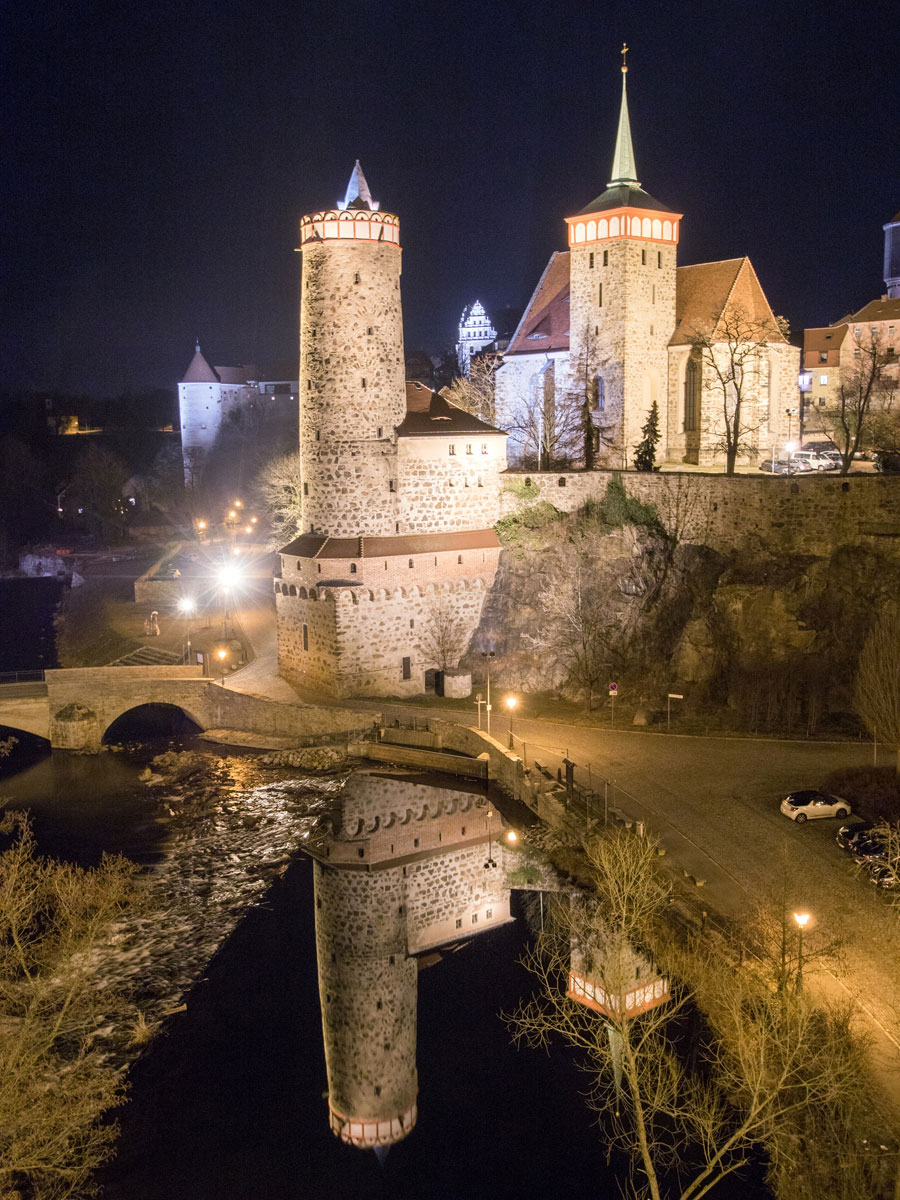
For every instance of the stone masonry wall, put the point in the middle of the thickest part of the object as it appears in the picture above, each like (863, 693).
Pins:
(757, 515)
(623, 337)
(448, 484)
(367, 992)
(352, 386)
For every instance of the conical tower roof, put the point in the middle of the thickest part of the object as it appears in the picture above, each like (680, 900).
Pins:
(199, 370)
(358, 194)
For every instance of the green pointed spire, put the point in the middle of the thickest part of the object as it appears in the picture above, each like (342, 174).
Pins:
(623, 168)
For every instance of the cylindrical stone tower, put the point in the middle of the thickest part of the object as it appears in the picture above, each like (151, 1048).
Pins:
(352, 386)
(367, 990)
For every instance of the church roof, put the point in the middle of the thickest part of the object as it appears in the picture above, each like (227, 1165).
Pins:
(545, 323)
(885, 309)
(706, 292)
(429, 413)
(358, 194)
(313, 545)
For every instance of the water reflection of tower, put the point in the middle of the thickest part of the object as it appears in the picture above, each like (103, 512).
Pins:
(402, 872)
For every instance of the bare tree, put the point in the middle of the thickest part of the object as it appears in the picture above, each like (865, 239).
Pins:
(445, 632)
(877, 691)
(279, 490)
(584, 631)
(549, 425)
(476, 395)
(864, 387)
(688, 1108)
(56, 1080)
(731, 354)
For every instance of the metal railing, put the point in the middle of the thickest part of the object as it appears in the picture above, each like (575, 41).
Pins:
(21, 677)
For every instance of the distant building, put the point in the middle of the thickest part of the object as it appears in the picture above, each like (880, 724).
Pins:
(475, 332)
(831, 349)
(208, 396)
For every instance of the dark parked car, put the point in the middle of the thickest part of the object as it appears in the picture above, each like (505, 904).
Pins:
(848, 835)
(882, 875)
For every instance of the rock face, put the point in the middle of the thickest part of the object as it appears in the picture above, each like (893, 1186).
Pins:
(775, 636)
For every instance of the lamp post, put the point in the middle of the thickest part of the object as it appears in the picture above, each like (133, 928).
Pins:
(187, 606)
(490, 863)
(221, 655)
(488, 655)
(801, 919)
(511, 704)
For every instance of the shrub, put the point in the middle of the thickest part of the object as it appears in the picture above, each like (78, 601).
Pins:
(621, 509)
(523, 489)
(528, 526)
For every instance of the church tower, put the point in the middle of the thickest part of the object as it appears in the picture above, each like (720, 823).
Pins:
(892, 257)
(352, 387)
(623, 251)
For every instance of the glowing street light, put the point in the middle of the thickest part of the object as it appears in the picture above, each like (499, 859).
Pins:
(511, 836)
(221, 655)
(253, 520)
(248, 529)
(511, 704)
(801, 919)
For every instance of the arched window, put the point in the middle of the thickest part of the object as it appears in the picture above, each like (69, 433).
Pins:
(645, 227)
(591, 231)
(579, 233)
(353, 568)
(614, 227)
(603, 228)
(691, 395)
(657, 227)
(667, 231)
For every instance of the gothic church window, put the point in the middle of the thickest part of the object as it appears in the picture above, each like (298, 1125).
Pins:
(353, 568)
(407, 668)
(691, 396)
(305, 637)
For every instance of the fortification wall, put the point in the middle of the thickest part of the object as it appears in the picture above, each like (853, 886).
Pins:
(378, 642)
(448, 484)
(757, 515)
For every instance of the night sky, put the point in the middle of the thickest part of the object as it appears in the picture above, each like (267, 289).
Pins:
(158, 158)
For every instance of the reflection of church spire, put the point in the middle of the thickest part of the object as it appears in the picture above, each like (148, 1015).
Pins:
(623, 169)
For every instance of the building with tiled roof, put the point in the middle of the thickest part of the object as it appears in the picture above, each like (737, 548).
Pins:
(614, 324)
(383, 588)
(207, 395)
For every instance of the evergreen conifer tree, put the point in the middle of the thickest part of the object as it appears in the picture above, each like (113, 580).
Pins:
(645, 450)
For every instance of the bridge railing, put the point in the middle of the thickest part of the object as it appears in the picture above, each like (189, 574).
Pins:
(21, 677)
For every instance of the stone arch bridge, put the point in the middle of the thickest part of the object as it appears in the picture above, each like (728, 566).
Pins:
(73, 709)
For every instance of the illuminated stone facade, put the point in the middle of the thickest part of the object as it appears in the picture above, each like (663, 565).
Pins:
(381, 592)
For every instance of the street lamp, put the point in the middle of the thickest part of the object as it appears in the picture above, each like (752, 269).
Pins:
(187, 606)
(801, 919)
(221, 655)
(511, 704)
(488, 655)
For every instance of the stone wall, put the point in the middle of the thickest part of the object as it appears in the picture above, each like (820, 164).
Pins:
(449, 483)
(757, 514)
(358, 637)
(352, 386)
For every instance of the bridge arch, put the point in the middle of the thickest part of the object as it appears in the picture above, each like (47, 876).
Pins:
(151, 720)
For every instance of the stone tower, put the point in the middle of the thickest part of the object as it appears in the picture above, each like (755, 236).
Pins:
(892, 257)
(623, 250)
(352, 387)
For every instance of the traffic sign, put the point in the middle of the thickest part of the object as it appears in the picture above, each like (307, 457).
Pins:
(614, 689)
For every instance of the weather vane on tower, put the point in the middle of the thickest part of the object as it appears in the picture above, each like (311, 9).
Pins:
(624, 63)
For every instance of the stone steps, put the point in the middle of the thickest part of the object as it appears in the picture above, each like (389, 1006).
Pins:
(148, 656)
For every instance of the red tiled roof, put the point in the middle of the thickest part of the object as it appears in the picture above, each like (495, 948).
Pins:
(818, 341)
(705, 292)
(877, 310)
(545, 323)
(310, 545)
(429, 413)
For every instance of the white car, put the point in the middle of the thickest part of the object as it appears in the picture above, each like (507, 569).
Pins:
(815, 461)
(807, 805)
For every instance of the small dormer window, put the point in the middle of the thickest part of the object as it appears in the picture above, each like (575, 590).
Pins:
(535, 337)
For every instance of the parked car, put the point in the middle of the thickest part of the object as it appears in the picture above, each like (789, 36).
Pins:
(849, 835)
(810, 804)
(816, 461)
(882, 875)
(781, 466)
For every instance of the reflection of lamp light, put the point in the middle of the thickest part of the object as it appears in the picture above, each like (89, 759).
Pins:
(253, 520)
(248, 529)
(238, 504)
(801, 919)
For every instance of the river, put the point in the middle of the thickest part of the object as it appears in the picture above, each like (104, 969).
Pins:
(229, 1102)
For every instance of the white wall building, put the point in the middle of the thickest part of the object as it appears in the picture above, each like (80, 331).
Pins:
(475, 332)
